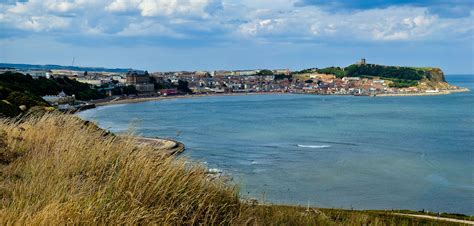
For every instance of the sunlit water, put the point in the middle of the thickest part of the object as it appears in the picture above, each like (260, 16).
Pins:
(329, 151)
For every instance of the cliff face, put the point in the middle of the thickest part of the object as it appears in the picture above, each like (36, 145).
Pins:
(434, 79)
(435, 75)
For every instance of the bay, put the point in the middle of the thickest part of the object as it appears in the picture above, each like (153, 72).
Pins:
(327, 151)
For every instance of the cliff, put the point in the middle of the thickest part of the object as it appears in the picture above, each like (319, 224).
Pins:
(435, 74)
(433, 79)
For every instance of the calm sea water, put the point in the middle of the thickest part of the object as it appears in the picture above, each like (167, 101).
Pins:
(329, 151)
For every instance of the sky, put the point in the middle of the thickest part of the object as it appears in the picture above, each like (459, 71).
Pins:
(168, 35)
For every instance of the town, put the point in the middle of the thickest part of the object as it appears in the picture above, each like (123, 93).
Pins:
(138, 83)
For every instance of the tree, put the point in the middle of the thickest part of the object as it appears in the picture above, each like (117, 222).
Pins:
(265, 72)
(403, 73)
(282, 76)
(183, 87)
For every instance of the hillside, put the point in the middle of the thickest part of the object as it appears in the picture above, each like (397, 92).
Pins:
(58, 169)
(399, 76)
(17, 89)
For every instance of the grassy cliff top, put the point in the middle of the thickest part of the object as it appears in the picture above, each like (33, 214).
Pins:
(382, 71)
(57, 169)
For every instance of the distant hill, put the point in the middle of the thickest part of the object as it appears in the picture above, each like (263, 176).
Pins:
(60, 67)
(400, 76)
(396, 72)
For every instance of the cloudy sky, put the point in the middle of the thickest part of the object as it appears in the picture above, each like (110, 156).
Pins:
(162, 35)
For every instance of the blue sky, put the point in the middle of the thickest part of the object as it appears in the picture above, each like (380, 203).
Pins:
(163, 35)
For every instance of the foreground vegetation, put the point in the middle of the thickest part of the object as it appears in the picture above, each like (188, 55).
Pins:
(57, 169)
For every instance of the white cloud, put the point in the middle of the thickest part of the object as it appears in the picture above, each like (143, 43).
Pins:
(269, 20)
(390, 24)
(43, 23)
(148, 28)
(122, 5)
(150, 8)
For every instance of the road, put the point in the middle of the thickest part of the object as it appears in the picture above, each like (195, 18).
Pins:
(438, 218)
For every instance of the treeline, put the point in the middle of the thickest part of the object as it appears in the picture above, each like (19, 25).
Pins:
(337, 71)
(43, 86)
(17, 89)
(404, 73)
(401, 83)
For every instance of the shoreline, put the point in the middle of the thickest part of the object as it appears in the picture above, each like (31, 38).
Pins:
(120, 100)
(147, 99)
(180, 147)
(441, 92)
(168, 146)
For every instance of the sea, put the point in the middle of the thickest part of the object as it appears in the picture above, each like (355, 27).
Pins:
(412, 152)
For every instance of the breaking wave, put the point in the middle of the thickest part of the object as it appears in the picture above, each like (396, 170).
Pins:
(313, 146)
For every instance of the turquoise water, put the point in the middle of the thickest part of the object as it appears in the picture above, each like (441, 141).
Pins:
(329, 151)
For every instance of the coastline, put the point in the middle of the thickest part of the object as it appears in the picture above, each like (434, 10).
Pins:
(127, 100)
(146, 139)
(146, 99)
(442, 92)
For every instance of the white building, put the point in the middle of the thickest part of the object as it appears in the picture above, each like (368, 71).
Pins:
(61, 98)
(96, 82)
(351, 79)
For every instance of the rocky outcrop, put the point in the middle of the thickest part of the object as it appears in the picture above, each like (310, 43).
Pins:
(434, 79)
(166, 146)
(435, 75)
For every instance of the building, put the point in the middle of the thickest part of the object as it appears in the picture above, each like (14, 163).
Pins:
(145, 87)
(168, 92)
(201, 74)
(223, 73)
(37, 73)
(61, 98)
(137, 77)
(120, 79)
(361, 62)
(351, 79)
(281, 72)
(94, 82)
(65, 73)
(140, 80)
(245, 72)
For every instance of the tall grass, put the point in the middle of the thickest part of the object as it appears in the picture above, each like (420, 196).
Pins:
(57, 169)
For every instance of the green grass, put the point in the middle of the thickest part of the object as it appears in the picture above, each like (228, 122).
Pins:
(423, 68)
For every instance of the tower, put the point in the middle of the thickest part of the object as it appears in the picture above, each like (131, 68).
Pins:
(361, 62)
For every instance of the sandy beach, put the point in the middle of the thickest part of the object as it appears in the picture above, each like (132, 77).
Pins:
(145, 99)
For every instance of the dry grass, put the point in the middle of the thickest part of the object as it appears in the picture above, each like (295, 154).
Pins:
(56, 169)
